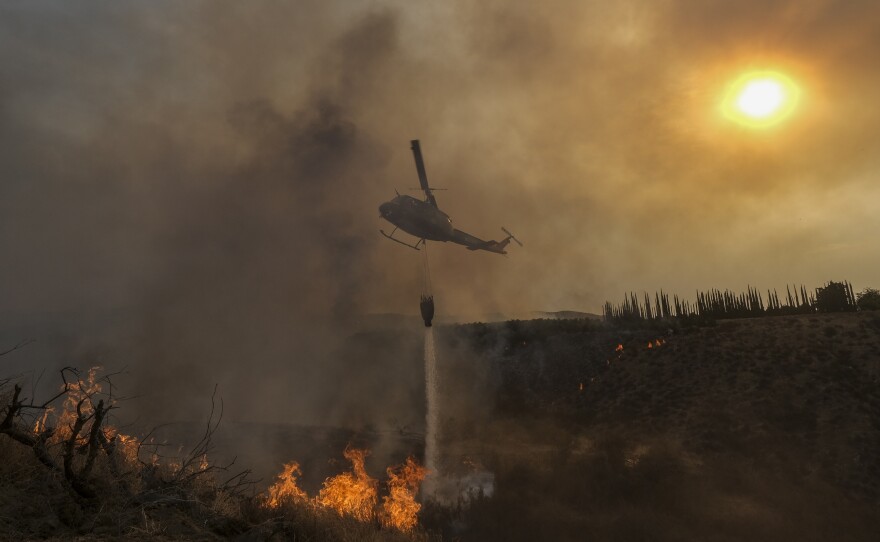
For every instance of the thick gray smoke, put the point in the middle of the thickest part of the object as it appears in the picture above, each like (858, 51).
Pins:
(196, 248)
(189, 190)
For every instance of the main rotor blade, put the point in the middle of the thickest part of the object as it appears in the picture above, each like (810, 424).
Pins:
(420, 168)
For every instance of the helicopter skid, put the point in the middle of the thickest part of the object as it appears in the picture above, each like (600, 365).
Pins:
(414, 247)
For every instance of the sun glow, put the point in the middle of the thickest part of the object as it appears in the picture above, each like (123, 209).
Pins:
(760, 99)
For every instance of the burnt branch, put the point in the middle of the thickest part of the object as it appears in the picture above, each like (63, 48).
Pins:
(12, 409)
(38, 442)
(200, 451)
(22, 344)
(145, 441)
(46, 404)
(109, 448)
(94, 443)
(75, 481)
(239, 483)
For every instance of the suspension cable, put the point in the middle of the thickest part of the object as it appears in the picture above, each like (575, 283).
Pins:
(427, 270)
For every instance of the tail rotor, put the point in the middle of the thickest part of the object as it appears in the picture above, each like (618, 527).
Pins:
(511, 236)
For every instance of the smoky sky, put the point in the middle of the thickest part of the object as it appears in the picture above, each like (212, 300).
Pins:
(212, 170)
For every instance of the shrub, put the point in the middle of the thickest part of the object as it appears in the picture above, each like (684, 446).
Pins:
(868, 300)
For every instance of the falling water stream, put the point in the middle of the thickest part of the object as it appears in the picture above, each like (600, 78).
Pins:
(431, 418)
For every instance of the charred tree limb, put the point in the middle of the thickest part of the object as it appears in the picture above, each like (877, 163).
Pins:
(200, 451)
(109, 447)
(22, 344)
(83, 438)
(37, 442)
(46, 404)
(70, 443)
(12, 409)
(145, 442)
(238, 483)
(77, 483)
(93, 443)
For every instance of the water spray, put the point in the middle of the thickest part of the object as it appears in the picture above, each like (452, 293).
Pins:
(426, 306)
(431, 415)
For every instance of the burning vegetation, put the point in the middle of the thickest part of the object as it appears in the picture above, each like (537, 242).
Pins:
(108, 482)
(399, 507)
(119, 485)
(351, 493)
(355, 493)
(74, 440)
(286, 490)
(611, 434)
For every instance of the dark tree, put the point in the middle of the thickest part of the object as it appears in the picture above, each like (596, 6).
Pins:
(868, 299)
(834, 297)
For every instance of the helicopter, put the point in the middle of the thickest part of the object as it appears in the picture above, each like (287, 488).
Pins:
(424, 219)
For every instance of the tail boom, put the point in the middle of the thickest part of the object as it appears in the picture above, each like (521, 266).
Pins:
(475, 243)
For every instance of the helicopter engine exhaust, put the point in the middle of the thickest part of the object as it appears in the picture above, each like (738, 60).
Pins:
(427, 308)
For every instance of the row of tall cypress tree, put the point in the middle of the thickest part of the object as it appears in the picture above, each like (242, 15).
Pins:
(715, 304)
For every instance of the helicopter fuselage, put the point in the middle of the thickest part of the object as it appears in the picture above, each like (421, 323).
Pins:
(425, 221)
(418, 218)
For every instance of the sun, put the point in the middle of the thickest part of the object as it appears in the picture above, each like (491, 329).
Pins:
(760, 99)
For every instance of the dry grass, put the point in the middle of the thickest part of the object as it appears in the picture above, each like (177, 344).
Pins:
(36, 504)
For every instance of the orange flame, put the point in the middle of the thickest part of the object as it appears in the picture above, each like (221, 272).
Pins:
(656, 343)
(78, 392)
(81, 393)
(285, 489)
(355, 494)
(42, 422)
(351, 493)
(619, 348)
(126, 445)
(400, 509)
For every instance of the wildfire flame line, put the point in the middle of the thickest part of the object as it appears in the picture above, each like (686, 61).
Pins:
(351, 493)
(355, 493)
(399, 507)
(286, 489)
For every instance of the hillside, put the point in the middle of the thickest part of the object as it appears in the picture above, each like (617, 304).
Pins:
(564, 429)
(762, 428)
